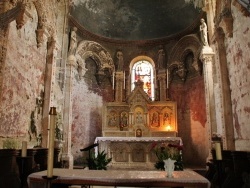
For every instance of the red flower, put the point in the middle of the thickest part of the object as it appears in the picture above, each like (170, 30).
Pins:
(179, 147)
(153, 145)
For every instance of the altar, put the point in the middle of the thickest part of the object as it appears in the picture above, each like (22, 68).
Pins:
(132, 152)
(121, 178)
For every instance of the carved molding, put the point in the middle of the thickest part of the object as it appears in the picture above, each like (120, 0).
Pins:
(207, 58)
(223, 18)
(226, 24)
(23, 14)
(99, 54)
(3, 42)
(187, 43)
(45, 29)
(242, 8)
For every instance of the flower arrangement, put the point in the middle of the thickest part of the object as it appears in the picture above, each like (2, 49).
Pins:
(164, 151)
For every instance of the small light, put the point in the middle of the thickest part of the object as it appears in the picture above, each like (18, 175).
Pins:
(168, 127)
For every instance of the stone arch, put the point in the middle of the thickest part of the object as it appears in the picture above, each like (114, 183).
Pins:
(186, 45)
(98, 53)
(189, 43)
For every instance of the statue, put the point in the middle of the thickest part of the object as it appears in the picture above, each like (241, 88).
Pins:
(33, 129)
(119, 56)
(73, 41)
(203, 30)
(161, 58)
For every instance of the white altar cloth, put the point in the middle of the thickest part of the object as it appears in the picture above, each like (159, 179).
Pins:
(186, 178)
(105, 141)
(138, 139)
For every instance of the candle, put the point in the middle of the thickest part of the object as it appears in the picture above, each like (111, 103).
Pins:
(167, 78)
(113, 82)
(218, 151)
(50, 160)
(124, 80)
(24, 149)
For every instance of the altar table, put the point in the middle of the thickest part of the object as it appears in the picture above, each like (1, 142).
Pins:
(186, 178)
(132, 152)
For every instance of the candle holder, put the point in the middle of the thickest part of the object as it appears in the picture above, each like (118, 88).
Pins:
(25, 168)
(113, 95)
(167, 94)
(49, 180)
(219, 169)
(124, 95)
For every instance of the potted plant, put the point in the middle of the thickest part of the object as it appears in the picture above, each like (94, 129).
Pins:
(99, 161)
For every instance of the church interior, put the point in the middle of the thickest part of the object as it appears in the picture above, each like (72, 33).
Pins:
(121, 76)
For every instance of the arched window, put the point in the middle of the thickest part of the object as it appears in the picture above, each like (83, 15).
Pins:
(143, 70)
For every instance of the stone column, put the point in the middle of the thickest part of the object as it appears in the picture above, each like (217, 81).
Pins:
(67, 156)
(48, 87)
(206, 57)
(119, 86)
(162, 82)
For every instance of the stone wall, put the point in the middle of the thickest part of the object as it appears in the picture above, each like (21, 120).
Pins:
(238, 57)
(23, 81)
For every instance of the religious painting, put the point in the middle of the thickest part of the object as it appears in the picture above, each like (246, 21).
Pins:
(123, 120)
(154, 120)
(166, 118)
(138, 133)
(139, 116)
(112, 119)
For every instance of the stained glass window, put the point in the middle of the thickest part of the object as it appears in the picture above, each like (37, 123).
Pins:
(143, 71)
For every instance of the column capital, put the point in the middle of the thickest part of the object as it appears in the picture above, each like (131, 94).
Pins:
(161, 75)
(71, 60)
(206, 54)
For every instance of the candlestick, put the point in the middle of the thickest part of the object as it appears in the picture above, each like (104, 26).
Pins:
(50, 161)
(24, 149)
(218, 151)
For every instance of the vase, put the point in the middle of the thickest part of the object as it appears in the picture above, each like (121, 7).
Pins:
(169, 166)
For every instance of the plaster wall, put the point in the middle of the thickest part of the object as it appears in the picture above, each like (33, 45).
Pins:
(238, 58)
(190, 98)
(23, 80)
(88, 98)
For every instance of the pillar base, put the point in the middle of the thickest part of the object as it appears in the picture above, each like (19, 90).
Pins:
(67, 160)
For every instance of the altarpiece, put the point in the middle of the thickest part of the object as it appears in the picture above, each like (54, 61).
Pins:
(130, 128)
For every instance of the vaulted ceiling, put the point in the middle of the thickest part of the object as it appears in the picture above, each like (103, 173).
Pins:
(134, 19)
